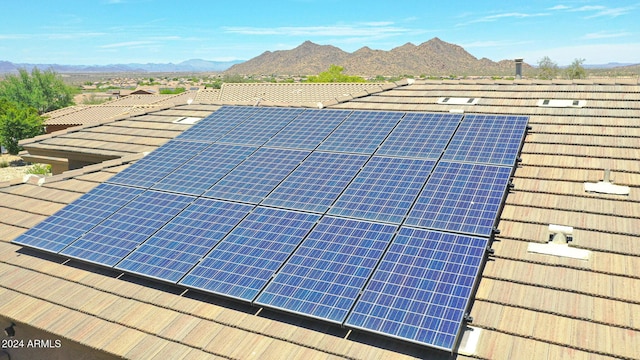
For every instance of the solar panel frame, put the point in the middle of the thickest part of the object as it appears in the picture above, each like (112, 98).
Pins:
(317, 182)
(119, 234)
(461, 197)
(489, 139)
(421, 135)
(257, 175)
(309, 129)
(324, 276)
(176, 248)
(261, 126)
(205, 169)
(362, 132)
(69, 223)
(158, 164)
(241, 264)
(313, 212)
(422, 287)
(384, 190)
(216, 125)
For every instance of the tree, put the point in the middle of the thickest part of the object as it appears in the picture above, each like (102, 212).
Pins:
(547, 68)
(43, 91)
(333, 75)
(575, 70)
(18, 122)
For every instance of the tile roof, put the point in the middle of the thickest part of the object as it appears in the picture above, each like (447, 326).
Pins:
(119, 108)
(527, 305)
(541, 305)
(287, 94)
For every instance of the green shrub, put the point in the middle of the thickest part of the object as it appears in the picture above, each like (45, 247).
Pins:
(40, 169)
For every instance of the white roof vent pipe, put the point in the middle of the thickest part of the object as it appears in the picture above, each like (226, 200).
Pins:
(606, 186)
(559, 234)
(558, 244)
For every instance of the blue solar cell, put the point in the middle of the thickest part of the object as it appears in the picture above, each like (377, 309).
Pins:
(362, 132)
(327, 272)
(317, 182)
(246, 259)
(217, 124)
(421, 288)
(158, 164)
(261, 126)
(384, 190)
(461, 197)
(309, 129)
(68, 224)
(257, 176)
(490, 139)
(205, 169)
(119, 234)
(370, 170)
(421, 135)
(171, 252)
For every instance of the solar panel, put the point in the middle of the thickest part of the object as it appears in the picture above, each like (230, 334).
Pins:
(205, 169)
(490, 139)
(317, 182)
(352, 217)
(171, 252)
(362, 132)
(246, 259)
(421, 135)
(257, 176)
(120, 233)
(384, 190)
(158, 164)
(261, 126)
(422, 287)
(309, 129)
(325, 275)
(68, 224)
(217, 124)
(461, 197)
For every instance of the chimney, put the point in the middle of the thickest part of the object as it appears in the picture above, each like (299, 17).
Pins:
(519, 68)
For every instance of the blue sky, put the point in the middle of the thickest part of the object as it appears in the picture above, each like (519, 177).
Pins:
(140, 31)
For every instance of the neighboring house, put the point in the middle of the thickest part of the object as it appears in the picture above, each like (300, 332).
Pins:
(578, 303)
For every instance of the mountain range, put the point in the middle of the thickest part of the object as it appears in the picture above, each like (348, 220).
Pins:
(193, 65)
(433, 57)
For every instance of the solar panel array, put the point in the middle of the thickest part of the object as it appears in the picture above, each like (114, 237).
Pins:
(374, 220)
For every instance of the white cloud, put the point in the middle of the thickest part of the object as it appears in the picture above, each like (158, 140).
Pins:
(613, 12)
(493, 43)
(496, 17)
(365, 29)
(127, 44)
(605, 35)
(600, 11)
(589, 8)
(14, 36)
(559, 7)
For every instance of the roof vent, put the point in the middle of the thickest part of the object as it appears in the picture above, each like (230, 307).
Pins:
(559, 234)
(458, 101)
(606, 186)
(519, 68)
(557, 103)
(558, 244)
(186, 120)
